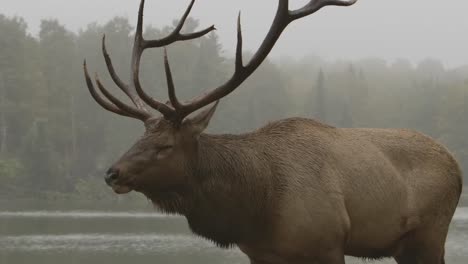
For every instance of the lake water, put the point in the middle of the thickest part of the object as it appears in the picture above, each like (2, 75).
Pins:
(130, 237)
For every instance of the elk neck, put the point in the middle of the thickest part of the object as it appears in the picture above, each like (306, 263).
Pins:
(233, 191)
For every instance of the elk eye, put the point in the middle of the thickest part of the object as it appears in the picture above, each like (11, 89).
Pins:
(163, 151)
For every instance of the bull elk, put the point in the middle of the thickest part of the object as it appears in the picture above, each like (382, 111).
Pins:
(293, 191)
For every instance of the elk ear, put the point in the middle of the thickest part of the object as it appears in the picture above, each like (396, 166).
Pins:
(200, 122)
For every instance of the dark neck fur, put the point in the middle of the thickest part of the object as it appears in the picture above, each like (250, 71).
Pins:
(231, 198)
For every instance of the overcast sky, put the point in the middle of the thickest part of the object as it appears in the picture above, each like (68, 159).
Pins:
(390, 29)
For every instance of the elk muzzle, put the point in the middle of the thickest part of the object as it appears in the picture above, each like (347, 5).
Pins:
(111, 176)
(112, 179)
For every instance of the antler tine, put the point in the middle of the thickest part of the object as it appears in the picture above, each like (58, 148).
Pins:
(106, 105)
(123, 86)
(116, 105)
(170, 83)
(239, 61)
(315, 5)
(137, 113)
(176, 35)
(282, 19)
(138, 48)
(141, 44)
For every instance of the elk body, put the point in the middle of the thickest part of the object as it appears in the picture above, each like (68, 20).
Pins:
(294, 191)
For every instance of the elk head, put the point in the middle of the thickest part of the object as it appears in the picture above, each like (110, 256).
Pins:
(163, 159)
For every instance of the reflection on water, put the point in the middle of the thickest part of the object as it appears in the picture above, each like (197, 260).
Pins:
(123, 237)
(135, 243)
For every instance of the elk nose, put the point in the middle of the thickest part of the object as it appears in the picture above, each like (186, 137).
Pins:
(111, 176)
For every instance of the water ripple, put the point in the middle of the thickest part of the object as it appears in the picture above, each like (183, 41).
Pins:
(460, 215)
(122, 243)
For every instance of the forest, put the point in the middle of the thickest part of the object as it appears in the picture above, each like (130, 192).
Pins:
(56, 142)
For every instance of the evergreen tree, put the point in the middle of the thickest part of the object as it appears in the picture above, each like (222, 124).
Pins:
(320, 98)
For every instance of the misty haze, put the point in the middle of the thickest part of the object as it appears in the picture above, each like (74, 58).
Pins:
(375, 64)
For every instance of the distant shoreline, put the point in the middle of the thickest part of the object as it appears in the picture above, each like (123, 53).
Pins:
(120, 203)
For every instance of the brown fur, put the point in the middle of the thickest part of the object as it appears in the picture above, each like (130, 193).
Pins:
(298, 191)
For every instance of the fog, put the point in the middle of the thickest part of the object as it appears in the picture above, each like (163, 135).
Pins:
(414, 30)
(383, 64)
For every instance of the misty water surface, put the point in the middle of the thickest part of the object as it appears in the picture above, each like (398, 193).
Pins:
(52, 236)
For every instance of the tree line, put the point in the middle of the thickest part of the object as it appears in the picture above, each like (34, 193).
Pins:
(55, 140)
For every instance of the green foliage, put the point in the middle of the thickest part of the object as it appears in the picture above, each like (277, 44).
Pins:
(56, 142)
(10, 169)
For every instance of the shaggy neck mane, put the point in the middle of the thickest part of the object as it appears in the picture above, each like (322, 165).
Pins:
(229, 194)
(230, 198)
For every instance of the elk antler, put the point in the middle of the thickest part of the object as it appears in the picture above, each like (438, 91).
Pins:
(140, 44)
(283, 17)
(175, 110)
